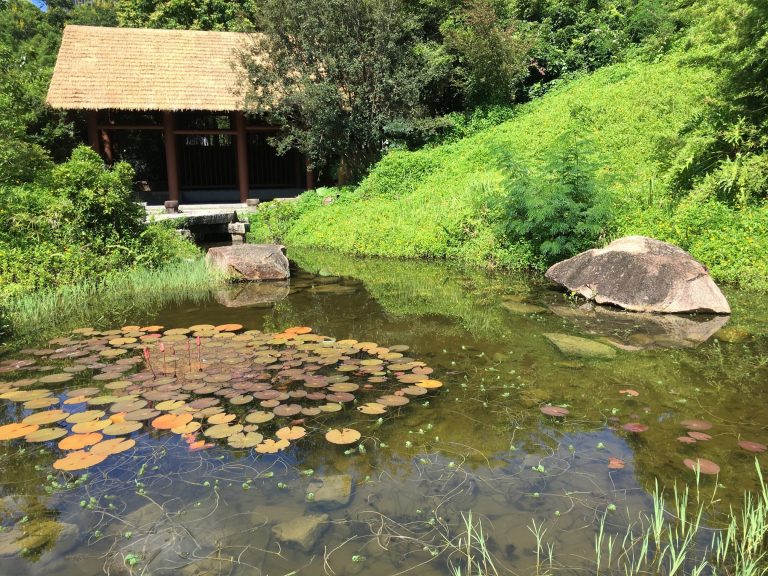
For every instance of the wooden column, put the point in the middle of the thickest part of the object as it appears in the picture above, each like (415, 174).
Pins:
(106, 146)
(310, 176)
(171, 164)
(242, 156)
(92, 117)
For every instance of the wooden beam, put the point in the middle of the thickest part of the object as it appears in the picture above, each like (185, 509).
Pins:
(106, 145)
(203, 132)
(242, 156)
(92, 117)
(171, 164)
(130, 127)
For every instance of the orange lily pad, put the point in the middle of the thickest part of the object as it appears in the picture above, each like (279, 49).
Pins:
(16, 430)
(79, 441)
(79, 460)
(291, 433)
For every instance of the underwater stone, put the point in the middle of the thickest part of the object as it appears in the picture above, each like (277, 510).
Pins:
(522, 307)
(250, 261)
(302, 532)
(643, 275)
(332, 491)
(576, 346)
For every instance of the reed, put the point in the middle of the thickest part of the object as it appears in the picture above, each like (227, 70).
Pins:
(125, 296)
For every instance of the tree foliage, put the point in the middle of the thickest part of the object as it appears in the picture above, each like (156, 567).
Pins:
(339, 75)
(232, 15)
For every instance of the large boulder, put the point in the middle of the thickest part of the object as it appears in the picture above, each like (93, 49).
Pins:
(641, 274)
(250, 261)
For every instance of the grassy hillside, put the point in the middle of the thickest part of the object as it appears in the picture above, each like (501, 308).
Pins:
(449, 201)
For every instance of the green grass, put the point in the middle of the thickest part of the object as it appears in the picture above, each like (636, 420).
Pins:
(119, 298)
(434, 202)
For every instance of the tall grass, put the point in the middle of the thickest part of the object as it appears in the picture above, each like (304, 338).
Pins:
(125, 296)
(674, 541)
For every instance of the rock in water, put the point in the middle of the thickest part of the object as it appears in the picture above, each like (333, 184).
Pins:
(250, 261)
(641, 274)
(303, 531)
(576, 346)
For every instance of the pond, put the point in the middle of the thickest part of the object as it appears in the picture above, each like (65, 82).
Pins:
(434, 421)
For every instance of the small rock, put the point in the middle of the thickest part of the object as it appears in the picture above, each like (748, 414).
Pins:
(576, 346)
(303, 531)
(332, 491)
(732, 334)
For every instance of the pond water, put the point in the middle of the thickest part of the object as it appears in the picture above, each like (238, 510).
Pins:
(473, 451)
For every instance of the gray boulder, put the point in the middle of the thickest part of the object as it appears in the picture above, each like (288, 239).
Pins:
(250, 261)
(643, 275)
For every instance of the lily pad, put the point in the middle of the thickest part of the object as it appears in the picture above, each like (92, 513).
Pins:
(342, 436)
(79, 460)
(750, 446)
(703, 465)
(556, 411)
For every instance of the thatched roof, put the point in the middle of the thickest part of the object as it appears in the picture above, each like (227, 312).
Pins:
(145, 69)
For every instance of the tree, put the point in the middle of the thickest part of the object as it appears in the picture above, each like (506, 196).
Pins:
(232, 15)
(337, 76)
(493, 56)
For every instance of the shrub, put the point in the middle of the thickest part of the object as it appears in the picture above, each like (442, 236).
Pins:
(22, 162)
(559, 211)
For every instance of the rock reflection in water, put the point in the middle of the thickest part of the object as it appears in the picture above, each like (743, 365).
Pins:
(637, 331)
(252, 293)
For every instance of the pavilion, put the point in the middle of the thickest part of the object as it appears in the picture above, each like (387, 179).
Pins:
(171, 103)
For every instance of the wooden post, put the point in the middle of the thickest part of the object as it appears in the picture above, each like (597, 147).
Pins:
(92, 117)
(171, 165)
(242, 156)
(106, 145)
(310, 176)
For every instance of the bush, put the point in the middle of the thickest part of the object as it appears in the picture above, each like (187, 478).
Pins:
(559, 211)
(79, 222)
(22, 162)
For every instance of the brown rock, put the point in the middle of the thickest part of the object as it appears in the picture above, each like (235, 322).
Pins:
(250, 261)
(643, 275)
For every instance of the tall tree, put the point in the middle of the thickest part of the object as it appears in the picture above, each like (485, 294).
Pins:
(337, 75)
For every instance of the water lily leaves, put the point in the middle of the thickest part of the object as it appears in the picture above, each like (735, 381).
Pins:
(228, 327)
(221, 418)
(113, 446)
(47, 417)
(56, 378)
(343, 387)
(298, 330)
(45, 434)
(629, 392)
(330, 407)
(699, 435)
(86, 416)
(80, 441)
(635, 427)
(170, 421)
(177, 332)
(168, 405)
(750, 446)
(686, 440)
(615, 463)
(372, 408)
(556, 411)
(188, 428)
(270, 446)
(122, 341)
(259, 417)
(16, 430)
(392, 400)
(696, 424)
(122, 428)
(79, 460)
(244, 440)
(287, 410)
(223, 430)
(92, 426)
(342, 436)
(703, 465)
(143, 414)
(291, 433)
(430, 384)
